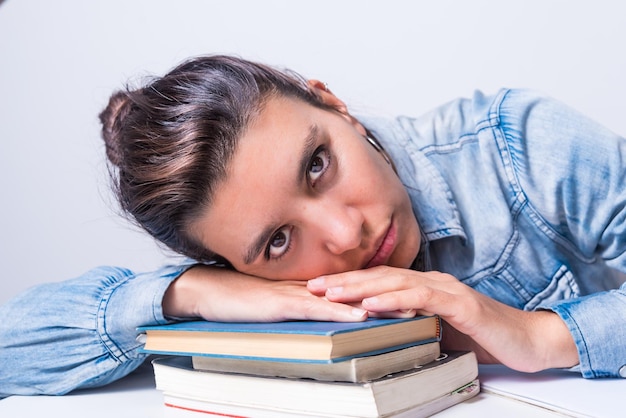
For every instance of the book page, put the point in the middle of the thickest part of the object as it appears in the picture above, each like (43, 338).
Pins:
(561, 391)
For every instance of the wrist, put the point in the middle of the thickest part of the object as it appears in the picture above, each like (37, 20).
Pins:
(554, 344)
(180, 298)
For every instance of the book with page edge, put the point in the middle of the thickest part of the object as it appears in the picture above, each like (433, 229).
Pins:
(358, 369)
(389, 395)
(177, 406)
(289, 341)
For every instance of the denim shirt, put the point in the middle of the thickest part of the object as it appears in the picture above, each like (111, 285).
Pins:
(524, 200)
(517, 196)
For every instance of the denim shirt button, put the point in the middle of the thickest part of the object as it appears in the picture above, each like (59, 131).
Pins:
(622, 371)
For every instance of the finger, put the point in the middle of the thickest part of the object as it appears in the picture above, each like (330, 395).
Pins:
(374, 283)
(320, 284)
(426, 299)
(320, 309)
(317, 286)
(407, 313)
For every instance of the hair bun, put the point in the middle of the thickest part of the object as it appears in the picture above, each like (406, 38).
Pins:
(112, 119)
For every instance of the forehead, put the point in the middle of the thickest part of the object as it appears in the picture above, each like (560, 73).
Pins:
(280, 127)
(260, 178)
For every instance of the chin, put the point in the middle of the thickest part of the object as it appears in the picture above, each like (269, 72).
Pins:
(403, 264)
(407, 261)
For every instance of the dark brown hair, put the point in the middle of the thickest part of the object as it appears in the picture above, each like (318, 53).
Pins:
(170, 141)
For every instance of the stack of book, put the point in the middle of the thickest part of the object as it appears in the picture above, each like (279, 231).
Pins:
(376, 368)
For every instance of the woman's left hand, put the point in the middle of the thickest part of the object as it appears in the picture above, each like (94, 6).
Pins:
(525, 341)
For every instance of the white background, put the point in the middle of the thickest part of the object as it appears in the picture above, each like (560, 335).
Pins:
(60, 60)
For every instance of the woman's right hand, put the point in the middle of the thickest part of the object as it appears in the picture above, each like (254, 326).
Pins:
(522, 340)
(220, 294)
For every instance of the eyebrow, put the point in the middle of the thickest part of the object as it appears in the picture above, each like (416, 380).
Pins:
(259, 243)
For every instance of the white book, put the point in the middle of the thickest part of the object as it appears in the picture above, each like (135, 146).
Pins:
(179, 407)
(392, 394)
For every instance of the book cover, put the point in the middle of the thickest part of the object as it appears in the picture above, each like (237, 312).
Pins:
(292, 340)
(392, 394)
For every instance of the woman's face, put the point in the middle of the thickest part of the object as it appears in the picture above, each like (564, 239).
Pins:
(307, 195)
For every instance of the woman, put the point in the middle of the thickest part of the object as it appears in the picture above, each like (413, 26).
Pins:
(502, 214)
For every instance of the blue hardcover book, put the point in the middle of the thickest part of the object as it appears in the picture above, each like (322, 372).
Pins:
(309, 341)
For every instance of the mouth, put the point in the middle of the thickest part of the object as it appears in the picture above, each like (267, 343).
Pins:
(386, 245)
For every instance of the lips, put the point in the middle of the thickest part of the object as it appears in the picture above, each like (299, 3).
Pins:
(385, 248)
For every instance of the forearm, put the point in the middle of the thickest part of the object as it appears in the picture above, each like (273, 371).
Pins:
(219, 294)
(525, 341)
(79, 333)
(201, 291)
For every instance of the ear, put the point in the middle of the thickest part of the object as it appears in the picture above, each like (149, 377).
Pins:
(321, 90)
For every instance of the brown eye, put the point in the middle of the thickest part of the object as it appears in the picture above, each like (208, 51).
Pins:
(279, 239)
(318, 165)
(279, 243)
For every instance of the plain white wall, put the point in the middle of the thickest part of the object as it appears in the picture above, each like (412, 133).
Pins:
(60, 60)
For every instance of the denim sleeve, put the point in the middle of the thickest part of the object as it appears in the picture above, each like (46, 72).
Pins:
(597, 323)
(573, 171)
(80, 333)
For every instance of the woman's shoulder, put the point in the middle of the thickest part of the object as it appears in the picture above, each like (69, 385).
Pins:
(442, 125)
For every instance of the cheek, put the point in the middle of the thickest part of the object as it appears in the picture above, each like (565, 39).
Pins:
(365, 172)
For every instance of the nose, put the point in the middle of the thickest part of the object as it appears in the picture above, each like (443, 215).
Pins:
(340, 226)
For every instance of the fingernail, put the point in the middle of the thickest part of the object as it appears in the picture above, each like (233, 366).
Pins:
(359, 313)
(370, 301)
(318, 282)
(334, 290)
